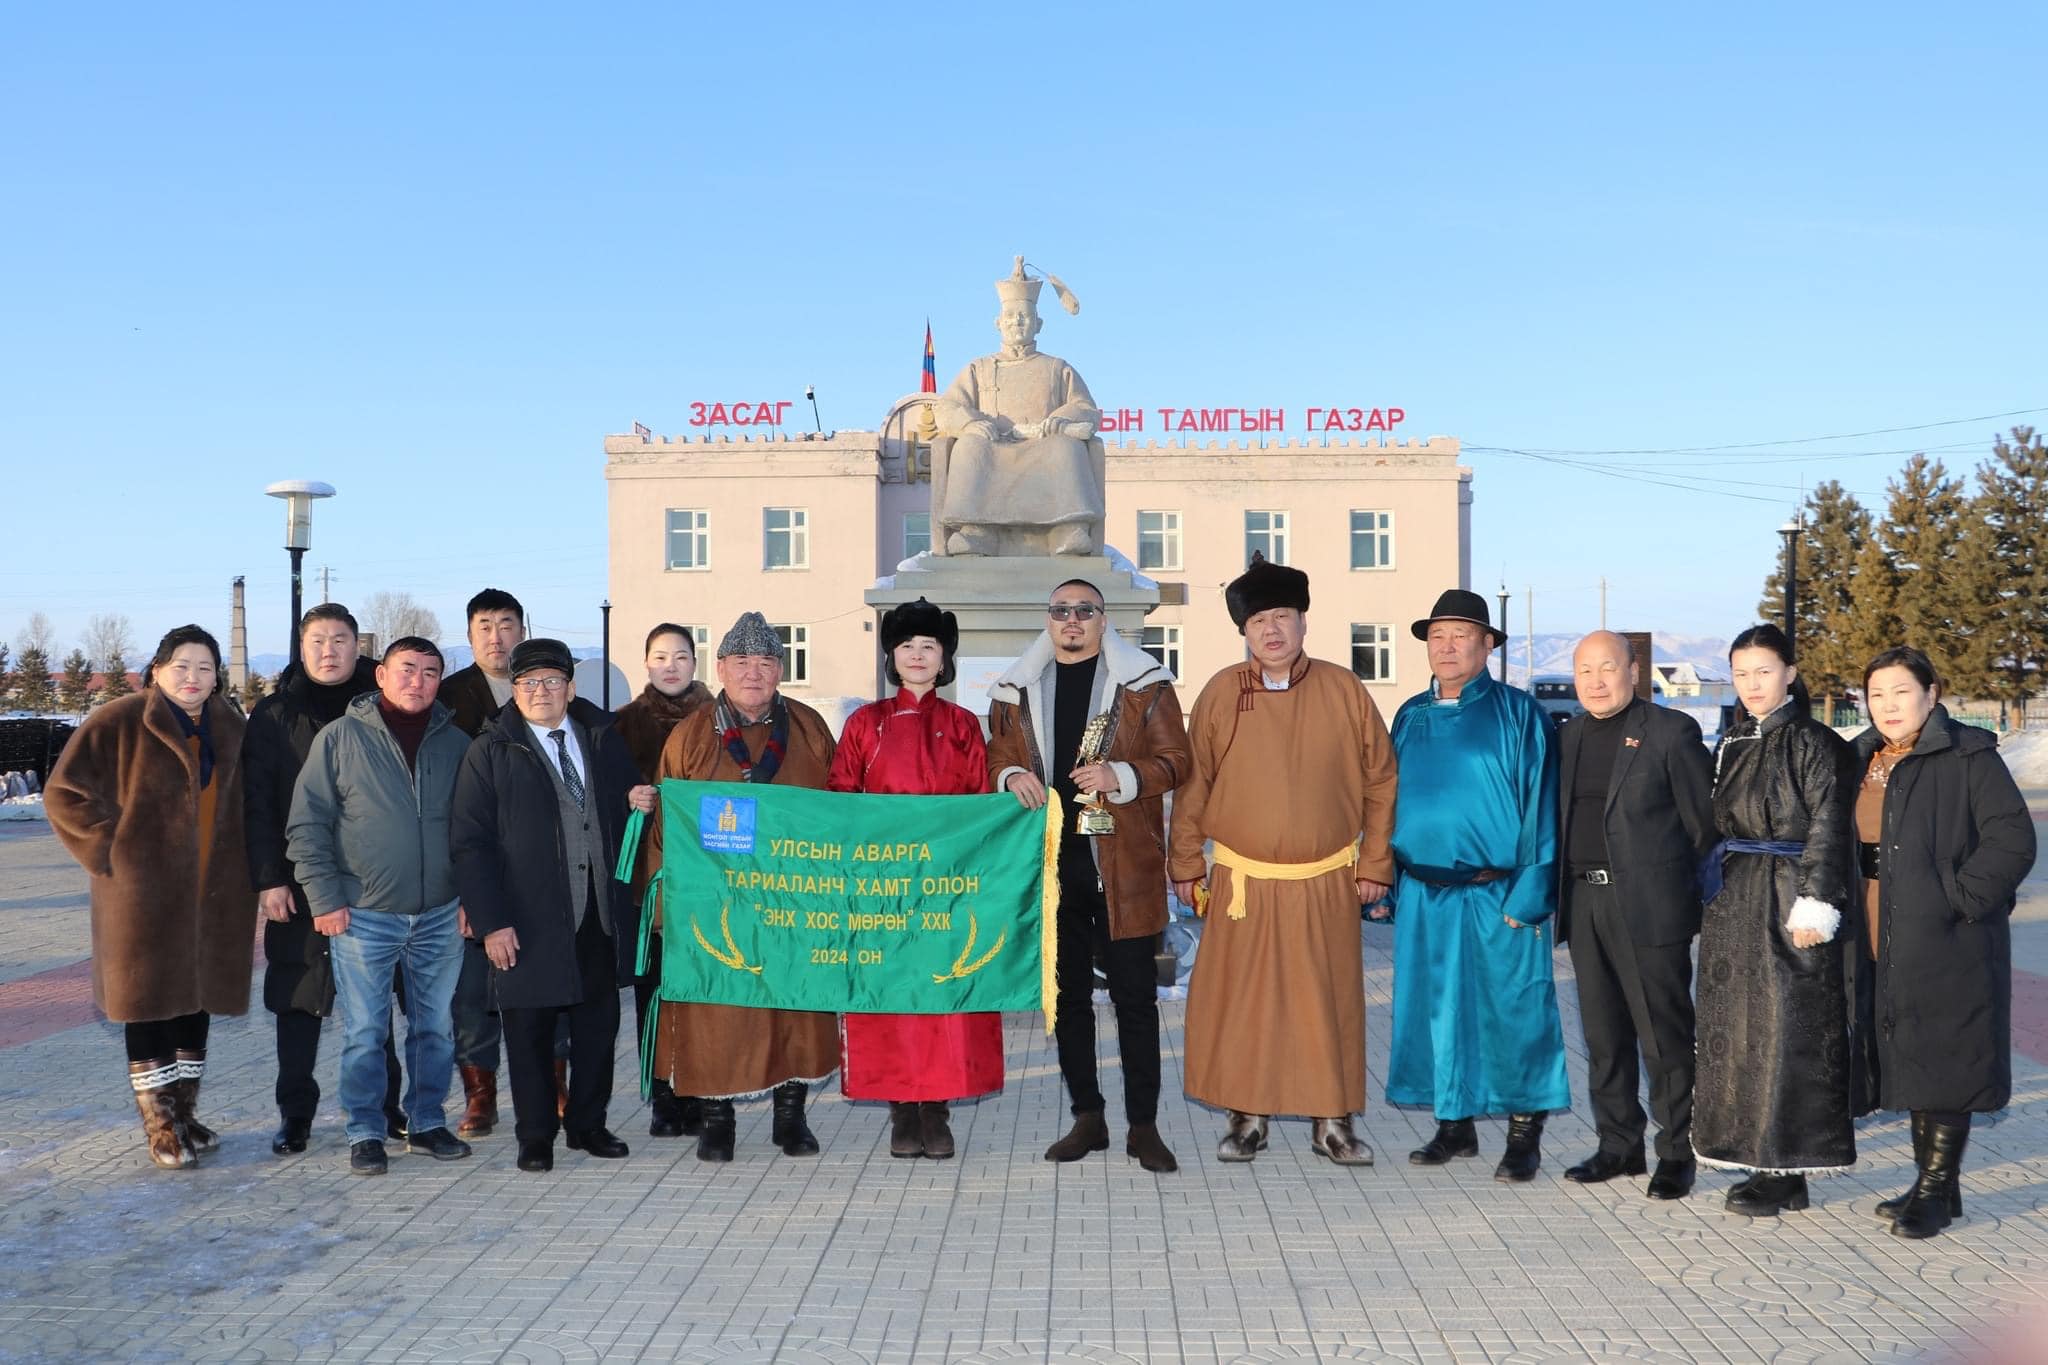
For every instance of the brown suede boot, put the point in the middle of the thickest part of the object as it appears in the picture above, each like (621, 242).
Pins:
(1089, 1134)
(191, 1070)
(480, 1095)
(906, 1134)
(1144, 1143)
(152, 1083)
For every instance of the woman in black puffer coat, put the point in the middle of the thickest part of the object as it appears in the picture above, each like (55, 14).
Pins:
(1946, 841)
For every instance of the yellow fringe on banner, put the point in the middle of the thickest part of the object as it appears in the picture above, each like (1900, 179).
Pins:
(1049, 912)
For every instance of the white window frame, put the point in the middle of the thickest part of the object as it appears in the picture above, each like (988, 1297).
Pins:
(1168, 533)
(797, 529)
(1167, 650)
(699, 532)
(796, 663)
(1381, 639)
(907, 551)
(1276, 534)
(1381, 536)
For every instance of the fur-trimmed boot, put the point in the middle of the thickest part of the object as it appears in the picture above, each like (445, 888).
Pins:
(153, 1084)
(191, 1070)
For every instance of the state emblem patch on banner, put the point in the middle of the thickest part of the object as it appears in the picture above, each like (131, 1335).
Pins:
(725, 824)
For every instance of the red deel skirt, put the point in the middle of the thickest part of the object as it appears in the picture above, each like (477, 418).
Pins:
(905, 1057)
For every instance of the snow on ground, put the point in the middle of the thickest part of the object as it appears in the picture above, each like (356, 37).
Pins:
(2026, 753)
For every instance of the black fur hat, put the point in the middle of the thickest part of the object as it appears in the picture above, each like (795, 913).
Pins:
(1263, 586)
(907, 619)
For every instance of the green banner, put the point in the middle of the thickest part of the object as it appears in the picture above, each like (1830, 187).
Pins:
(809, 900)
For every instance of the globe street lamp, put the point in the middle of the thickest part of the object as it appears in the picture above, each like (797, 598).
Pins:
(1503, 631)
(298, 495)
(1791, 531)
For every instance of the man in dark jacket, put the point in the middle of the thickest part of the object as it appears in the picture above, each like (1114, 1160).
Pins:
(473, 696)
(540, 811)
(1635, 797)
(298, 982)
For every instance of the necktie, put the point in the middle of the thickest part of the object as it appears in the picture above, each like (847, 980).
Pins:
(569, 777)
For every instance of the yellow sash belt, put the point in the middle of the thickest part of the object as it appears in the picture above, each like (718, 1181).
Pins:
(1279, 872)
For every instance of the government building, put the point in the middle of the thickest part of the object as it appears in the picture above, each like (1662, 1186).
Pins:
(798, 526)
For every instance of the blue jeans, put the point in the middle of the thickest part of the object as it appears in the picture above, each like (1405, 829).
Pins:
(428, 951)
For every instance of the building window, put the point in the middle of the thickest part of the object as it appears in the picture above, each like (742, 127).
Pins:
(796, 669)
(700, 643)
(1265, 533)
(785, 538)
(1163, 644)
(689, 538)
(1372, 540)
(917, 534)
(1372, 653)
(1159, 541)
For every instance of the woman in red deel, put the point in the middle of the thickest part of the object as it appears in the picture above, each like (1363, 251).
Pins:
(916, 743)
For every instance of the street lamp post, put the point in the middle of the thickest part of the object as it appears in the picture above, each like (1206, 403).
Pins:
(1503, 631)
(1791, 531)
(298, 495)
(605, 657)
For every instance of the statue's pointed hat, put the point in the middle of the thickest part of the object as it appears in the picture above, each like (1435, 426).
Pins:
(1022, 287)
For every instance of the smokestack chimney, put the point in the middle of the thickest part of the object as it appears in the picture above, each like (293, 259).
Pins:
(238, 643)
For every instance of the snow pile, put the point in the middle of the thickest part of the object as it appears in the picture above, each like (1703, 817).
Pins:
(2026, 753)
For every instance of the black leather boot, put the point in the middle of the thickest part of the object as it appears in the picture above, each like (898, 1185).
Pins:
(665, 1111)
(690, 1110)
(1889, 1209)
(1524, 1151)
(1937, 1197)
(789, 1131)
(1454, 1138)
(715, 1137)
(1767, 1196)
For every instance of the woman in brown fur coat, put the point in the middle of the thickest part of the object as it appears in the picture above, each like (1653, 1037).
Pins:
(148, 798)
(672, 692)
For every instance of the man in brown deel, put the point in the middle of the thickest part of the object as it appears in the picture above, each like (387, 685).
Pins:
(1294, 784)
(719, 1053)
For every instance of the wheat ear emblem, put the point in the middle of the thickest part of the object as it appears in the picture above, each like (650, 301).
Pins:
(732, 956)
(962, 968)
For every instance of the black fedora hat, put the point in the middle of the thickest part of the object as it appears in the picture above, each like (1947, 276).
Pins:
(1459, 605)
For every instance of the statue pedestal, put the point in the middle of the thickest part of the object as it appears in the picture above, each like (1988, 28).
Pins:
(1001, 601)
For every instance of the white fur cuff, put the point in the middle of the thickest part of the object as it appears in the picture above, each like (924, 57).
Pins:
(1808, 913)
(1126, 783)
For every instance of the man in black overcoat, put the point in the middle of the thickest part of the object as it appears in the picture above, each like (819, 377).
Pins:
(540, 811)
(298, 978)
(1635, 791)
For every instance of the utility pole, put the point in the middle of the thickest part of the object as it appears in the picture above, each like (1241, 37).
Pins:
(1529, 636)
(326, 589)
(1603, 601)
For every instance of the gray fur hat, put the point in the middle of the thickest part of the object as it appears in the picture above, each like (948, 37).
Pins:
(752, 634)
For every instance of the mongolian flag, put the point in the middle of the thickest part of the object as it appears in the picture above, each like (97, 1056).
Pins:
(931, 362)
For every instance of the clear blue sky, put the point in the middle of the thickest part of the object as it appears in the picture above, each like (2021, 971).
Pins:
(432, 254)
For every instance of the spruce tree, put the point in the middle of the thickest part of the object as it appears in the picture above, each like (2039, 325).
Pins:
(33, 691)
(2005, 570)
(1922, 534)
(74, 693)
(1837, 529)
(6, 678)
(116, 684)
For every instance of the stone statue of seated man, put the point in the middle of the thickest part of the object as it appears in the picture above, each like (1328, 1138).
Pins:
(1022, 466)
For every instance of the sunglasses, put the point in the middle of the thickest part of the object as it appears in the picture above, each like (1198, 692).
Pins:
(1079, 611)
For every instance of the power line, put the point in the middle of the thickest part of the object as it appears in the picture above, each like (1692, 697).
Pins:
(1805, 440)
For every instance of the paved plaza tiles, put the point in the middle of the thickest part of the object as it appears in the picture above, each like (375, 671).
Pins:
(852, 1258)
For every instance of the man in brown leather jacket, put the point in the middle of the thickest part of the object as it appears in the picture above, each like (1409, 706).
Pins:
(1112, 885)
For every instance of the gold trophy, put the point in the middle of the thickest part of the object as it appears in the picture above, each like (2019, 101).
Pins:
(1093, 817)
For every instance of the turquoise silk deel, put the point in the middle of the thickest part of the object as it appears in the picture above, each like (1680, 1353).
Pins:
(1476, 1028)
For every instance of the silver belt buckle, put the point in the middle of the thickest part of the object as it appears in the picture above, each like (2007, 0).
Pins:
(1599, 878)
